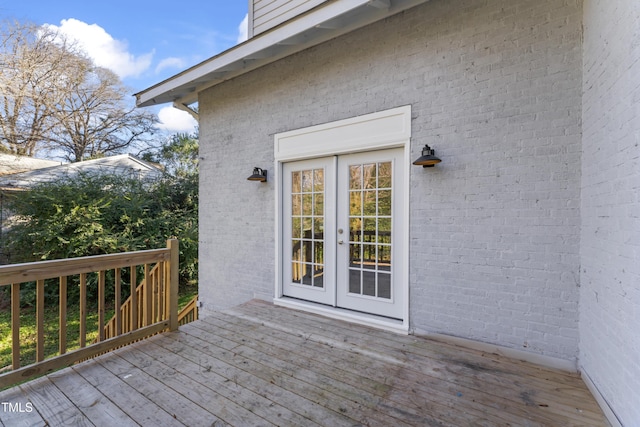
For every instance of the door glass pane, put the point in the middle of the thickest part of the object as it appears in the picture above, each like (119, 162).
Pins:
(384, 202)
(355, 281)
(295, 182)
(369, 283)
(318, 254)
(384, 285)
(307, 204)
(307, 181)
(355, 177)
(307, 277)
(355, 229)
(355, 255)
(369, 203)
(384, 175)
(318, 228)
(307, 227)
(296, 272)
(318, 204)
(355, 203)
(369, 257)
(370, 198)
(296, 204)
(318, 180)
(296, 228)
(369, 177)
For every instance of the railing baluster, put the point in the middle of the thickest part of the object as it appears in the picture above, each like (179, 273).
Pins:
(134, 300)
(172, 280)
(160, 287)
(83, 310)
(167, 293)
(153, 282)
(148, 295)
(101, 280)
(15, 325)
(118, 297)
(40, 320)
(62, 331)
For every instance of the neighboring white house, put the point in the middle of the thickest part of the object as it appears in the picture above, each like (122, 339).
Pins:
(123, 164)
(524, 240)
(11, 163)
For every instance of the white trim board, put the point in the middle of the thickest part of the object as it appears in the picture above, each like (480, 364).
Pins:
(602, 402)
(375, 131)
(364, 319)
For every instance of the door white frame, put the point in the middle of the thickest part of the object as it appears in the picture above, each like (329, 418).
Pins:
(375, 131)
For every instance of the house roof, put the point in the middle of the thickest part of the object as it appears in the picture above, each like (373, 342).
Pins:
(329, 20)
(124, 164)
(11, 163)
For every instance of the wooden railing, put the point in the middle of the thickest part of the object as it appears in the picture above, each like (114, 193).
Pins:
(189, 312)
(122, 321)
(153, 310)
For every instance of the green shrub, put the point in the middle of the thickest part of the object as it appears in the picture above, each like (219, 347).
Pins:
(94, 215)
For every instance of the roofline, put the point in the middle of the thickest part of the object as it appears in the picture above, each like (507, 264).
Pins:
(316, 26)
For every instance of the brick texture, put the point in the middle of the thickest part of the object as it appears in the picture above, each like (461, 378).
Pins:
(495, 87)
(610, 239)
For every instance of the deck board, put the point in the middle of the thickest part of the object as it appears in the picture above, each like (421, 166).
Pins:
(262, 365)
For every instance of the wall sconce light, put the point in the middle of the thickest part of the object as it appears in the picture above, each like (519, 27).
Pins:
(259, 175)
(427, 160)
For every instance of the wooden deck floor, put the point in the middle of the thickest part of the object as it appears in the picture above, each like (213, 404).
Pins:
(260, 365)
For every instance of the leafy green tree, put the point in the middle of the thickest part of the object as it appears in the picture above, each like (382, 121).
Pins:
(179, 155)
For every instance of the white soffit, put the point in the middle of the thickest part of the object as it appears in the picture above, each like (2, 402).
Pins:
(312, 28)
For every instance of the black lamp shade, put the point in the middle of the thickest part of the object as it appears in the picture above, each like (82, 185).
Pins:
(428, 159)
(259, 175)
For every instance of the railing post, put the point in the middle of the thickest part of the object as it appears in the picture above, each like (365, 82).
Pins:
(173, 279)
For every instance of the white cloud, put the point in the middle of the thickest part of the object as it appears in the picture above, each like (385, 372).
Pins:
(103, 49)
(243, 29)
(174, 120)
(172, 62)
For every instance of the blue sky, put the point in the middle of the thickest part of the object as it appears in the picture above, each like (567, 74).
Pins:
(143, 41)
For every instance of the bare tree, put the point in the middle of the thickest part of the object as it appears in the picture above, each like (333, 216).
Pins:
(94, 118)
(32, 68)
(53, 97)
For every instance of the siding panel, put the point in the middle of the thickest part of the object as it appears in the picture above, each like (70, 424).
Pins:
(270, 13)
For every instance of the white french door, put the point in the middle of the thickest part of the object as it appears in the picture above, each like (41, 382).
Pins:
(309, 230)
(342, 239)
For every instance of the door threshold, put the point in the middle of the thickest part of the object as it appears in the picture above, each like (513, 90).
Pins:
(366, 319)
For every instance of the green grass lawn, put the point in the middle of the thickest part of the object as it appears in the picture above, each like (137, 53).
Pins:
(28, 329)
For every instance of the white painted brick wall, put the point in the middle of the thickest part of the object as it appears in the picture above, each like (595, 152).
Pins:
(610, 245)
(495, 88)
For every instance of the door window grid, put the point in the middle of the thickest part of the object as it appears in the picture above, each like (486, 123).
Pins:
(307, 227)
(370, 196)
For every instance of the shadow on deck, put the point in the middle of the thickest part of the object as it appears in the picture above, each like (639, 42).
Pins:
(259, 364)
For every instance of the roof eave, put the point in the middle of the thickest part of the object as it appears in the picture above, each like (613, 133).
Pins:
(314, 27)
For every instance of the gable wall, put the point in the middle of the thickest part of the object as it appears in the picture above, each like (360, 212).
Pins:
(610, 241)
(495, 88)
